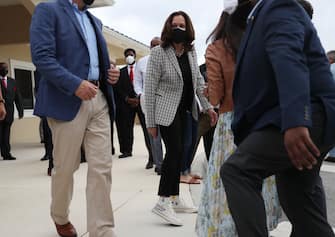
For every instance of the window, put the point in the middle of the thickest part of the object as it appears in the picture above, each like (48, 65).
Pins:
(23, 73)
(25, 84)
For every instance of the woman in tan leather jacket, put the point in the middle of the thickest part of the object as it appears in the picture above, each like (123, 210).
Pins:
(214, 217)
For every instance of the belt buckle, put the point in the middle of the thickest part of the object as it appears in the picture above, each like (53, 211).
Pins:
(95, 82)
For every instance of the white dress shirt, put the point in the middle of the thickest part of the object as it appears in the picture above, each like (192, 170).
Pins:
(140, 71)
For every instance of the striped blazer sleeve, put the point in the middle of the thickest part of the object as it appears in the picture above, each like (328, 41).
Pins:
(152, 77)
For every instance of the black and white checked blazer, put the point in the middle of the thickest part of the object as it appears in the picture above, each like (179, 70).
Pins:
(163, 86)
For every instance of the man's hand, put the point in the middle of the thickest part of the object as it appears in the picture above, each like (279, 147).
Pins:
(153, 132)
(86, 90)
(2, 111)
(133, 102)
(300, 147)
(113, 74)
(213, 115)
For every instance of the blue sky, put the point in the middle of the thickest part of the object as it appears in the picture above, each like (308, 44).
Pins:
(144, 19)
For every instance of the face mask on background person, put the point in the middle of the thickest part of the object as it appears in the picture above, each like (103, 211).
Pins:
(130, 59)
(230, 6)
(3, 72)
(179, 35)
(88, 2)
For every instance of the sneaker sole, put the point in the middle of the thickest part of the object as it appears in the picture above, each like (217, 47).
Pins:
(185, 210)
(165, 218)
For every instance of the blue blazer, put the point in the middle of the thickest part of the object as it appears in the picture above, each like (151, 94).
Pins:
(282, 72)
(61, 56)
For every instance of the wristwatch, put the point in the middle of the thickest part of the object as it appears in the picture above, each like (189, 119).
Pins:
(2, 100)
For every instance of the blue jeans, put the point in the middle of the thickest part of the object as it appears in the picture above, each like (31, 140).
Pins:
(189, 141)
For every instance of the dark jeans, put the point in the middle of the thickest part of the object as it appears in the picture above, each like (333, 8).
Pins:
(173, 139)
(189, 140)
(301, 193)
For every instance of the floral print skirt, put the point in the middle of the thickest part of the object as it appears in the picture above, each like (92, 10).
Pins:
(214, 218)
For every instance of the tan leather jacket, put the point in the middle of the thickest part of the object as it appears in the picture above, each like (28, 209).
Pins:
(220, 73)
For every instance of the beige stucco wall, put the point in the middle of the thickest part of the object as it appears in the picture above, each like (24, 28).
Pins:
(19, 52)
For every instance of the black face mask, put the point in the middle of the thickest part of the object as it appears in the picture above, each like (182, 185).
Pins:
(3, 72)
(88, 2)
(179, 35)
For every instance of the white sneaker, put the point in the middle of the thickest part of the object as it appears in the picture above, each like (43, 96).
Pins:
(164, 209)
(179, 205)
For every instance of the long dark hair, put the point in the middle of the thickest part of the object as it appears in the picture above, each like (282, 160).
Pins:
(229, 32)
(166, 36)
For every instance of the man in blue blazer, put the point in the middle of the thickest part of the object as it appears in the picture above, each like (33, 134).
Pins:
(284, 98)
(76, 95)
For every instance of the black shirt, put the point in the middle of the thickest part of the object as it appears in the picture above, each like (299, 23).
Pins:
(188, 94)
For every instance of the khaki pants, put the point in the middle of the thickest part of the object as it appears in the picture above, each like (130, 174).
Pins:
(90, 127)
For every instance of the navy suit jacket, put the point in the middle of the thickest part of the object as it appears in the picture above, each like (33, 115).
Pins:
(282, 72)
(60, 54)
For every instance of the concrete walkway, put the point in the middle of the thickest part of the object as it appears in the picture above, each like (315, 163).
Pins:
(25, 196)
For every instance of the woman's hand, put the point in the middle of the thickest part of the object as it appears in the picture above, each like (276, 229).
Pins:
(213, 115)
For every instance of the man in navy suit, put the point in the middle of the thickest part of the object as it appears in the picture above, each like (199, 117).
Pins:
(284, 98)
(75, 94)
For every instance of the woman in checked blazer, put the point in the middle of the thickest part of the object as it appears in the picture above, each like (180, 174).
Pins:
(172, 81)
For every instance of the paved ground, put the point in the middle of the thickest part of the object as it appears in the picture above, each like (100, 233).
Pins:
(25, 196)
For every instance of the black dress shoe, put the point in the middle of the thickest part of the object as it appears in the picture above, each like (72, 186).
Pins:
(149, 165)
(330, 159)
(158, 171)
(45, 157)
(9, 158)
(124, 155)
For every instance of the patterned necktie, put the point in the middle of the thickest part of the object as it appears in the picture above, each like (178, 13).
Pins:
(131, 74)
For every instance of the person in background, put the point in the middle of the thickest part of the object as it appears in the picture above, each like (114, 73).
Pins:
(127, 106)
(331, 59)
(11, 95)
(307, 7)
(2, 106)
(172, 81)
(189, 141)
(284, 113)
(45, 129)
(141, 67)
(75, 94)
(113, 62)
